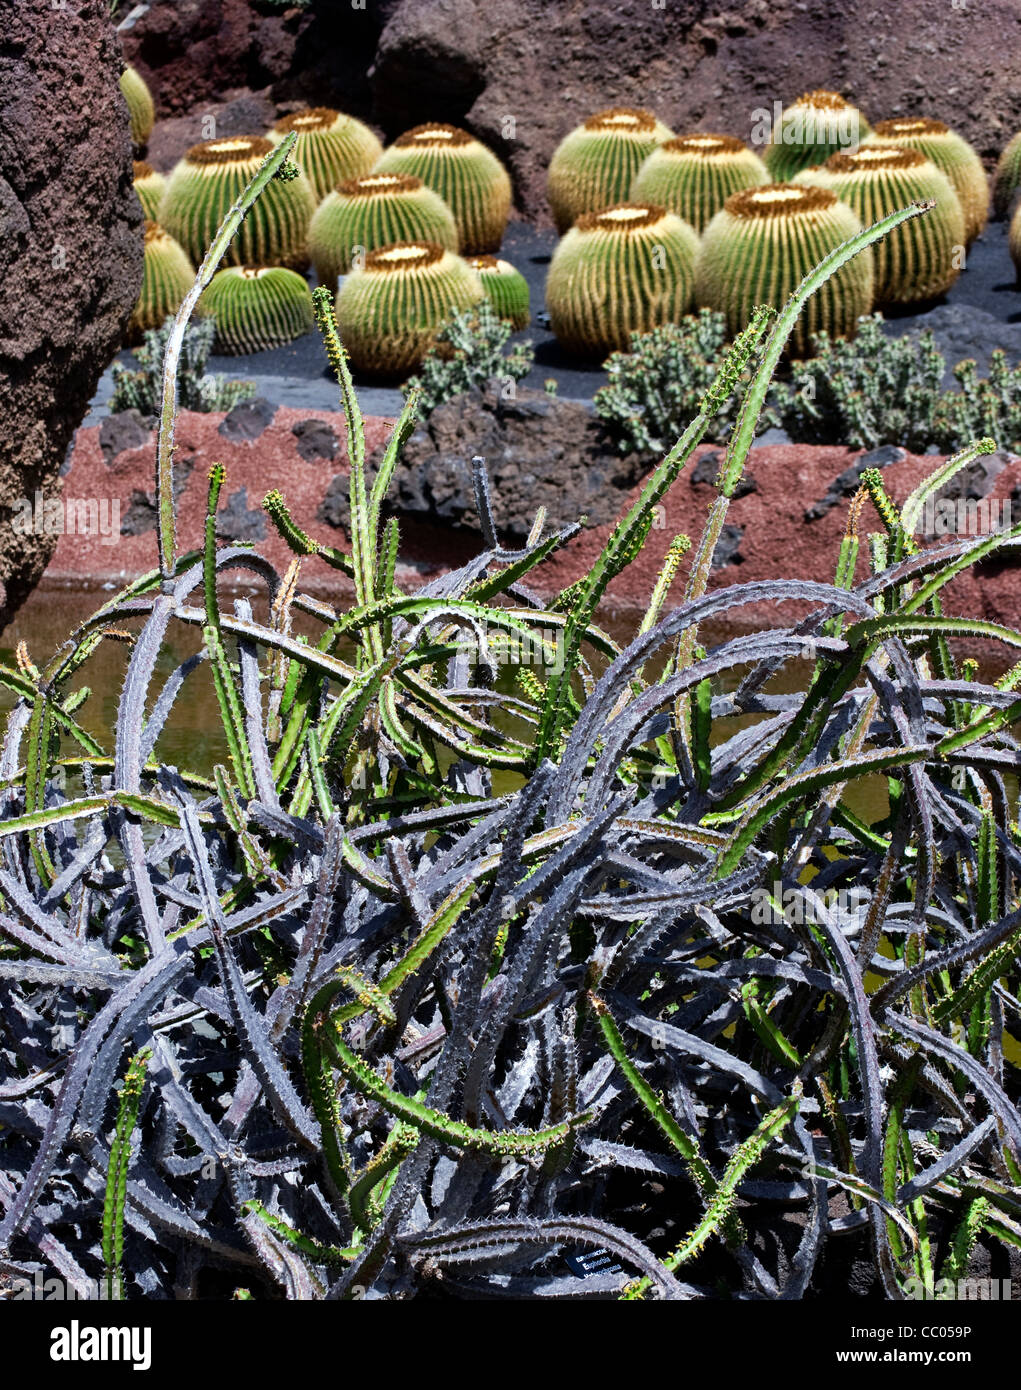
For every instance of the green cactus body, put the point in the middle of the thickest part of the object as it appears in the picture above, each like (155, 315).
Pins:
(149, 186)
(761, 245)
(1014, 241)
(330, 148)
(506, 289)
(375, 210)
(140, 106)
(920, 259)
(951, 154)
(694, 175)
(167, 276)
(1007, 176)
(818, 124)
(595, 165)
(257, 307)
(388, 311)
(624, 270)
(467, 176)
(208, 181)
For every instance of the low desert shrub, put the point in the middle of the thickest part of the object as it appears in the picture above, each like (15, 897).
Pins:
(142, 388)
(469, 353)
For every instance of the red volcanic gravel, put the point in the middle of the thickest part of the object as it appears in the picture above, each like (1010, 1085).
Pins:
(776, 541)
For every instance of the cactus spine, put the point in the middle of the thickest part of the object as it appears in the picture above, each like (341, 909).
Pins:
(375, 210)
(467, 176)
(209, 180)
(506, 289)
(149, 186)
(818, 124)
(330, 147)
(167, 276)
(594, 166)
(140, 106)
(694, 175)
(1007, 177)
(920, 259)
(951, 154)
(388, 312)
(762, 244)
(257, 307)
(624, 270)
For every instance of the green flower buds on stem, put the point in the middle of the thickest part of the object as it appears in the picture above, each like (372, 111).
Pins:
(763, 244)
(921, 258)
(621, 271)
(373, 211)
(694, 175)
(206, 184)
(464, 172)
(594, 166)
(331, 147)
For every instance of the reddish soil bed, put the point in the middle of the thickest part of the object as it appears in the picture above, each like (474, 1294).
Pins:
(775, 540)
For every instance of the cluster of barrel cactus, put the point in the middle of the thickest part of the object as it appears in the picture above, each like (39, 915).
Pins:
(761, 222)
(414, 227)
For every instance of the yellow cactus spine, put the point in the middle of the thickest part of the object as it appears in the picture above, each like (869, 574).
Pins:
(330, 148)
(366, 213)
(818, 124)
(951, 154)
(694, 175)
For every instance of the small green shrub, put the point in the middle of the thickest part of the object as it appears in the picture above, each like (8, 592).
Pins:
(862, 393)
(469, 352)
(983, 406)
(655, 389)
(142, 390)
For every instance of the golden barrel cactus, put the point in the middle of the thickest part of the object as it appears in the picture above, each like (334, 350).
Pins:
(206, 183)
(389, 310)
(141, 108)
(465, 173)
(950, 153)
(759, 248)
(506, 289)
(149, 186)
(694, 175)
(167, 276)
(375, 210)
(624, 270)
(818, 124)
(920, 259)
(594, 166)
(257, 307)
(330, 146)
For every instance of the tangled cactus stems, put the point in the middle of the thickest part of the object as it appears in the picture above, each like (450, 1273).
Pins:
(595, 165)
(818, 124)
(167, 276)
(694, 175)
(923, 257)
(149, 186)
(466, 175)
(140, 106)
(388, 311)
(1007, 176)
(375, 210)
(506, 289)
(624, 270)
(761, 245)
(331, 147)
(257, 307)
(208, 181)
(951, 154)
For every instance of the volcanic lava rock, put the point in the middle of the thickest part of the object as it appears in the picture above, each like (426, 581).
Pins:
(539, 451)
(70, 250)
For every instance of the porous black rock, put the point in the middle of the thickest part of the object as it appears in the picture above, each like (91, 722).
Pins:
(248, 420)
